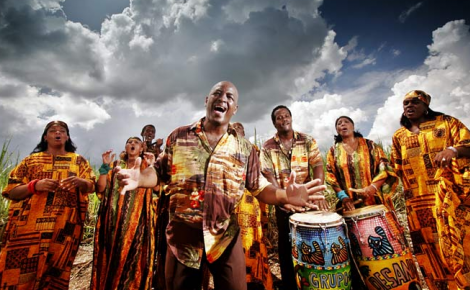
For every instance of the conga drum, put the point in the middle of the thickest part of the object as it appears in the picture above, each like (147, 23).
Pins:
(379, 248)
(320, 251)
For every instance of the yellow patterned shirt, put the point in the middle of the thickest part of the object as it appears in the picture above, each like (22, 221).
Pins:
(205, 186)
(276, 161)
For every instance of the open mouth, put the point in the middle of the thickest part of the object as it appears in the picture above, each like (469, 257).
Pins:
(220, 109)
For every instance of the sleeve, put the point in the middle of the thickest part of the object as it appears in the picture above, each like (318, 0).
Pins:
(331, 170)
(255, 180)
(395, 156)
(459, 134)
(18, 176)
(267, 165)
(314, 155)
(86, 172)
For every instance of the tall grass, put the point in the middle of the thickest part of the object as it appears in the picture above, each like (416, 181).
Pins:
(8, 161)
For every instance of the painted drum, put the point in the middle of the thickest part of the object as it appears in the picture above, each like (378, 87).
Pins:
(379, 248)
(320, 251)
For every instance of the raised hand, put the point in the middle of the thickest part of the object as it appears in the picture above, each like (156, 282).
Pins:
(149, 158)
(129, 178)
(108, 157)
(304, 194)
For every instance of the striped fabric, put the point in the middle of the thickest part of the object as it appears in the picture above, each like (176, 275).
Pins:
(124, 247)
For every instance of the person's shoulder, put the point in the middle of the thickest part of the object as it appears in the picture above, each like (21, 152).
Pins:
(305, 136)
(270, 143)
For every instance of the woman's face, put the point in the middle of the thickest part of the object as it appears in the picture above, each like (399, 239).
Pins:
(134, 147)
(344, 127)
(414, 109)
(56, 136)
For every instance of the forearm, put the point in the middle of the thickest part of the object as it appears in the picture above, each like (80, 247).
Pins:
(19, 193)
(101, 183)
(87, 186)
(273, 195)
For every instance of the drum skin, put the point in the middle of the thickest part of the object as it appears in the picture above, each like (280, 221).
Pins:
(379, 248)
(320, 251)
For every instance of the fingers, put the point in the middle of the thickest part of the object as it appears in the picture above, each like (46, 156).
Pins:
(359, 190)
(316, 192)
(70, 183)
(47, 185)
(293, 208)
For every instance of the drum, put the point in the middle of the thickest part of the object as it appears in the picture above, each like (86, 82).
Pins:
(320, 251)
(379, 248)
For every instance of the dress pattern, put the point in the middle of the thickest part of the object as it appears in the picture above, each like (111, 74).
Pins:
(43, 232)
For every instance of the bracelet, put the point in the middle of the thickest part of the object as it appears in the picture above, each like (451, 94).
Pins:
(104, 169)
(342, 195)
(455, 151)
(373, 185)
(32, 186)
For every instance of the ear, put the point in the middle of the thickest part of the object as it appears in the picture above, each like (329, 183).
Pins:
(236, 109)
(205, 103)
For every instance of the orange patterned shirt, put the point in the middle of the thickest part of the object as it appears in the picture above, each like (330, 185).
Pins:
(205, 186)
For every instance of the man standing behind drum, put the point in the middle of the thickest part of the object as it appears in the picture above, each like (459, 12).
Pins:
(289, 151)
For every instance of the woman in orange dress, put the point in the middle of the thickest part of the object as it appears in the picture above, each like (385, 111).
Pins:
(49, 200)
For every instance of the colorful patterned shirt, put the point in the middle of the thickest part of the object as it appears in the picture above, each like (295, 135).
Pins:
(365, 165)
(205, 186)
(276, 161)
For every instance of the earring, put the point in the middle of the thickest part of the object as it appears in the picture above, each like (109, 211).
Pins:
(427, 112)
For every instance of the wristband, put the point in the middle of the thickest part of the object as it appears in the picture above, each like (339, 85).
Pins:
(341, 195)
(373, 185)
(104, 169)
(455, 151)
(32, 186)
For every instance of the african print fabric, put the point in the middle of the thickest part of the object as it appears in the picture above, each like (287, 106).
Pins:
(124, 248)
(44, 230)
(249, 214)
(205, 186)
(367, 164)
(437, 206)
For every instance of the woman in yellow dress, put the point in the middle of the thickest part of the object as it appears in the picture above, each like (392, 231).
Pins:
(430, 153)
(49, 200)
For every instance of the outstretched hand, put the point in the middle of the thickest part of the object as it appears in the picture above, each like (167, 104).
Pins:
(129, 178)
(304, 194)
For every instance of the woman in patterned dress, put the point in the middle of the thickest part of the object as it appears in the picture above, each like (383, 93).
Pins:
(430, 153)
(358, 168)
(49, 199)
(124, 248)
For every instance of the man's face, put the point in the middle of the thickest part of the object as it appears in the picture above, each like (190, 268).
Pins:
(282, 120)
(221, 103)
(239, 128)
(149, 133)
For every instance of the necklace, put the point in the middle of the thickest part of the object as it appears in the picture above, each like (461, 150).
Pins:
(351, 148)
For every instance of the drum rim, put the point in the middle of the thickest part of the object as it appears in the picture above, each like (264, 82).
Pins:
(333, 223)
(381, 210)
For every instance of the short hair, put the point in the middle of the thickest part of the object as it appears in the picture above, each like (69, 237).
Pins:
(145, 127)
(273, 118)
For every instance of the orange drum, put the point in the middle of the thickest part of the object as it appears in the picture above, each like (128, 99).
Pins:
(379, 248)
(320, 251)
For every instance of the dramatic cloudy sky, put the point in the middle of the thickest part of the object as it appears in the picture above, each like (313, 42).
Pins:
(108, 67)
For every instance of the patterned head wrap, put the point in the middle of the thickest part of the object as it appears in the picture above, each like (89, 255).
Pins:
(421, 95)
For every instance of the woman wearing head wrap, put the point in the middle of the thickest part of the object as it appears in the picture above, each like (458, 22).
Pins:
(49, 193)
(430, 153)
(357, 168)
(124, 247)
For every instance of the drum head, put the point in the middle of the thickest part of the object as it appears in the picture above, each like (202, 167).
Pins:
(316, 219)
(371, 210)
